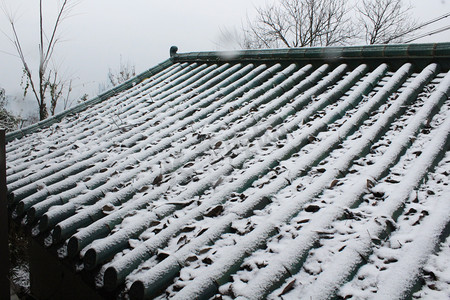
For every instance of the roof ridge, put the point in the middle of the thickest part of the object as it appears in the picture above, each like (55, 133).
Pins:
(426, 50)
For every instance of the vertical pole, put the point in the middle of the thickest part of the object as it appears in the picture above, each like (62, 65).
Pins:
(4, 244)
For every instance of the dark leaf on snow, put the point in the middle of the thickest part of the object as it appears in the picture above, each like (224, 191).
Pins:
(107, 208)
(333, 183)
(143, 189)
(215, 211)
(162, 255)
(191, 258)
(188, 229)
(288, 288)
(378, 194)
(312, 208)
(207, 261)
(158, 179)
(204, 250)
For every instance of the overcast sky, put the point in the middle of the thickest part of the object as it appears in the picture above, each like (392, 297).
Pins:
(140, 31)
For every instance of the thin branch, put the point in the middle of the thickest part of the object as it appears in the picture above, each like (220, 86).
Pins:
(52, 41)
(18, 46)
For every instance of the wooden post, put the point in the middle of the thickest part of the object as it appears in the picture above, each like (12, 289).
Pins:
(4, 244)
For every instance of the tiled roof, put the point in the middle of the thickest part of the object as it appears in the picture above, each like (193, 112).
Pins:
(298, 173)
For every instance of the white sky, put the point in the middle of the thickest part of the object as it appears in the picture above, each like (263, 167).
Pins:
(141, 31)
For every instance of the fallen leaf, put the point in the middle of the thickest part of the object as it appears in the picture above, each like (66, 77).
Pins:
(162, 255)
(108, 208)
(201, 232)
(417, 153)
(158, 179)
(288, 288)
(303, 221)
(154, 223)
(181, 239)
(312, 208)
(333, 183)
(204, 250)
(378, 194)
(390, 180)
(191, 258)
(188, 229)
(215, 211)
(143, 189)
(188, 165)
(207, 261)
(369, 184)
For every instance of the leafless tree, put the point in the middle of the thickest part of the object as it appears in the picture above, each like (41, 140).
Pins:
(298, 23)
(125, 72)
(47, 81)
(59, 89)
(385, 21)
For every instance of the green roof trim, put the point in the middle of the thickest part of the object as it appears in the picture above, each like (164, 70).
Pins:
(410, 51)
(82, 106)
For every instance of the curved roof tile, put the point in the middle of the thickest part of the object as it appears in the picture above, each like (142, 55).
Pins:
(255, 174)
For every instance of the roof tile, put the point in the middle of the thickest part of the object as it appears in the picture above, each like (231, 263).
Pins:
(254, 175)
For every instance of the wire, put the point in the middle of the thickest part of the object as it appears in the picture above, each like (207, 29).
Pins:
(433, 21)
(422, 25)
(442, 29)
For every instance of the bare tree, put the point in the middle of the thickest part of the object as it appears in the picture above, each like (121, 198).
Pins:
(59, 89)
(385, 21)
(125, 71)
(47, 80)
(298, 23)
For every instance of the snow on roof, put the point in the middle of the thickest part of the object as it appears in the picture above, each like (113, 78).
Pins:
(261, 174)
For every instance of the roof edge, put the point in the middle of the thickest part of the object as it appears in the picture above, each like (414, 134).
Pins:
(82, 106)
(392, 51)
